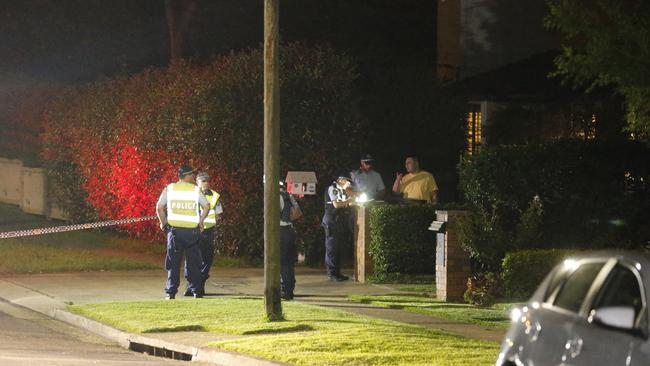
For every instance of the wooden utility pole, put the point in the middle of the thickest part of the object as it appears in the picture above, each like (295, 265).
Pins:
(272, 300)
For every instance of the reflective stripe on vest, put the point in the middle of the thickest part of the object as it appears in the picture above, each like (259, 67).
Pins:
(211, 220)
(183, 205)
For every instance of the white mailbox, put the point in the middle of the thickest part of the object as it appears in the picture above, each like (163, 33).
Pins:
(301, 183)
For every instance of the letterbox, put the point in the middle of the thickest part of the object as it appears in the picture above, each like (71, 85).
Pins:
(301, 183)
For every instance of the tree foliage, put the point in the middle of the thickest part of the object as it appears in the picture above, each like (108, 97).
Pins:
(605, 42)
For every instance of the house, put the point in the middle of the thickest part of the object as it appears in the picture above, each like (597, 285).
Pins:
(497, 57)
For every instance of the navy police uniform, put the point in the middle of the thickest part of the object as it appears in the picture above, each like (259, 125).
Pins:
(288, 249)
(181, 201)
(206, 239)
(337, 223)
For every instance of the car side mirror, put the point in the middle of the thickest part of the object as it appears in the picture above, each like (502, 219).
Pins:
(621, 317)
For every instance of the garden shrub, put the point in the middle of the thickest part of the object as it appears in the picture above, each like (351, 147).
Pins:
(400, 241)
(483, 289)
(524, 270)
(121, 140)
(574, 194)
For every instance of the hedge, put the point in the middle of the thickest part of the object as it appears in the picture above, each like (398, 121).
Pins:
(524, 270)
(574, 194)
(400, 242)
(112, 145)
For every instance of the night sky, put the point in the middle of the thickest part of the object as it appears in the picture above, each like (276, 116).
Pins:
(74, 40)
(392, 42)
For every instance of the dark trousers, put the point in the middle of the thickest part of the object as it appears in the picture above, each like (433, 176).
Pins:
(288, 257)
(337, 231)
(183, 241)
(206, 245)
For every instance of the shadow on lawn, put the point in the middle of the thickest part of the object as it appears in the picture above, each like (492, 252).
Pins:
(422, 300)
(296, 328)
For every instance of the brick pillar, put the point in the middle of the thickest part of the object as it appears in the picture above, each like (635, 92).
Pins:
(363, 266)
(452, 261)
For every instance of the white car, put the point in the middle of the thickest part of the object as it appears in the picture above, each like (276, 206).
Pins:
(590, 310)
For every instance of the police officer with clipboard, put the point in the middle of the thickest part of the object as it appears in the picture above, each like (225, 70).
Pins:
(337, 222)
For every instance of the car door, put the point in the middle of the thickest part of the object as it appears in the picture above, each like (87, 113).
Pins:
(592, 342)
(550, 326)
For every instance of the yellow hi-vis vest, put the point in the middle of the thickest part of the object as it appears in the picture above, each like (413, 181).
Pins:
(183, 205)
(211, 220)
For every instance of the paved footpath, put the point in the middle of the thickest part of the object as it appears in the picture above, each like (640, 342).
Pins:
(28, 338)
(49, 293)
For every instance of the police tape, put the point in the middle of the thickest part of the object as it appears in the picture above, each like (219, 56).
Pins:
(60, 229)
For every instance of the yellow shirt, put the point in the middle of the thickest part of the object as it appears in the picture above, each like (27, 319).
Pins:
(418, 186)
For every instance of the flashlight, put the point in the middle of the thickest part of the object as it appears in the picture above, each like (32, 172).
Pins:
(362, 198)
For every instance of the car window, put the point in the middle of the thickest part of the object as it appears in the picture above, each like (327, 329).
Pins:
(575, 289)
(621, 289)
(557, 278)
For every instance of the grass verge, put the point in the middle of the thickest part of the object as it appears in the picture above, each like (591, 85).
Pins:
(496, 316)
(39, 258)
(86, 250)
(310, 335)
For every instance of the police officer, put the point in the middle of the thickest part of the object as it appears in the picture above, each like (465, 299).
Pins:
(338, 225)
(178, 210)
(367, 180)
(206, 242)
(289, 211)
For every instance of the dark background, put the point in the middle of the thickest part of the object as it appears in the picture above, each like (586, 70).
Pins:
(393, 44)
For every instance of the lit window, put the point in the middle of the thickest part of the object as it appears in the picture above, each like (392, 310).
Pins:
(474, 127)
(583, 126)
(591, 129)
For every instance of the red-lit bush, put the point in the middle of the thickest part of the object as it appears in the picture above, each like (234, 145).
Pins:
(115, 144)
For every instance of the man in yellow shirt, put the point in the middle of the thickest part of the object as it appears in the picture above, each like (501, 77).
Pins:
(416, 185)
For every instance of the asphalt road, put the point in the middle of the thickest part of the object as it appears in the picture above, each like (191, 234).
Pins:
(28, 338)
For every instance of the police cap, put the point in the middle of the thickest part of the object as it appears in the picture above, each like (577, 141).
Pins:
(367, 158)
(203, 177)
(185, 170)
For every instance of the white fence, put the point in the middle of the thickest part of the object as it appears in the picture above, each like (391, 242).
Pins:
(26, 187)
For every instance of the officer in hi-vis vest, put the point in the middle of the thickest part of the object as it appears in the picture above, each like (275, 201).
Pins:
(182, 210)
(206, 243)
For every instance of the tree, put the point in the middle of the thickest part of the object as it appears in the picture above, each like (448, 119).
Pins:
(178, 14)
(605, 42)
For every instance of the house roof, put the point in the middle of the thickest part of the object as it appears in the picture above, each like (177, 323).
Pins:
(303, 177)
(524, 80)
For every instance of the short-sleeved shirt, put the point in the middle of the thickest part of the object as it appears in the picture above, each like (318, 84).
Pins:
(418, 186)
(294, 204)
(162, 200)
(369, 182)
(336, 194)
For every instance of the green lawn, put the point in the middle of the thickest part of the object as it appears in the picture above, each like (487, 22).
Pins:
(86, 250)
(39, 258)
(310, 335)
(495, 316)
